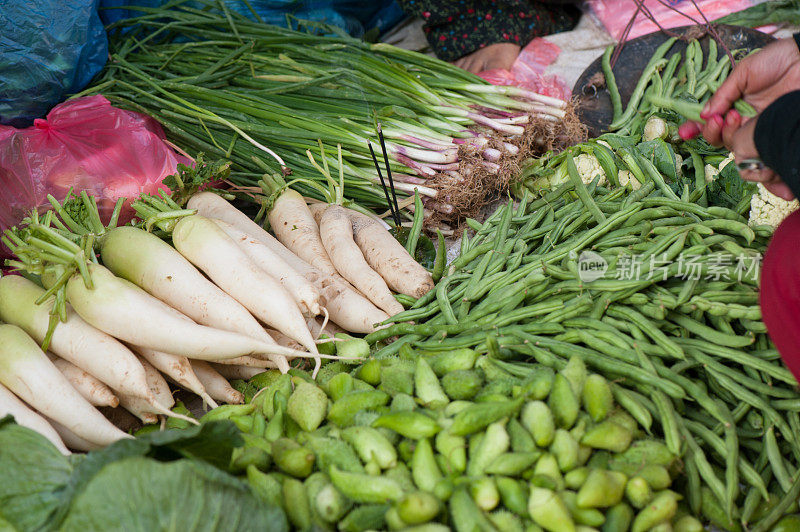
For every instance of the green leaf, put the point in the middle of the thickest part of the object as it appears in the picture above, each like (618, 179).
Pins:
(141, 494)
(661, 155)
(33, 472)
(210, 442)
(188, 180)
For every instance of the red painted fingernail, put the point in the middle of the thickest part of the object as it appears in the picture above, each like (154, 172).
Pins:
(706, 112)
(732, 116)
(717, 119)
(689, 130)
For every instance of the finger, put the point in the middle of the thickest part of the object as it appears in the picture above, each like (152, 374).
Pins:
(730, 91)
(689, 130)
(757, 176)
(712, 130)
(780, 189)
(733, 121)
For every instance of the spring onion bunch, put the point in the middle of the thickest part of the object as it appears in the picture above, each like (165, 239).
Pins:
(263, 95)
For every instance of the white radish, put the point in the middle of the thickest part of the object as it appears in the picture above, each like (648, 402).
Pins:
(389, 258)
(125, 311)
(160, 390)
(237, 372)
(29, 374)
(208, 247)
(294, 225)
(147, 261)
(215, 384)
(250, 362)
(177, 368)
(72, 440)
(139, 408)
(336, 230)
(346, 306)
(316, 210)
(330, 329)
(284, 340)
(25, 416)
(74, 340)
(304, 293)
(90, 388)
(212, 206)
(350, 310)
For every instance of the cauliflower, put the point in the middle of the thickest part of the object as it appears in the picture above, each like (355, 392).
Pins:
(589, 168)
(655, 128)
(624, 177)
(712, 172)
(768, 209)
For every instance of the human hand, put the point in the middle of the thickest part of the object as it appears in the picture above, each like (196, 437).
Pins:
(759, 79)
(499, 55)
(742, 144)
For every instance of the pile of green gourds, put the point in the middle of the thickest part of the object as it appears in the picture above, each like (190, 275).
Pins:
(451, 440)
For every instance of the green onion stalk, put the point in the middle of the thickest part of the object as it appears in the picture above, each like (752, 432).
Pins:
(262, 96)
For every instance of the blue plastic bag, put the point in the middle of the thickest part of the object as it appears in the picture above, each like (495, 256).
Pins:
(356, 17)
(48, 49)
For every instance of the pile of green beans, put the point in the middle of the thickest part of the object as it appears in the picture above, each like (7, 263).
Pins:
(684, 78)
(454, 440)
(692, 354)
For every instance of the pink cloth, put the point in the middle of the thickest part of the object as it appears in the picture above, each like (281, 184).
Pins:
(780, 291)
(615, 14)
(528, 70)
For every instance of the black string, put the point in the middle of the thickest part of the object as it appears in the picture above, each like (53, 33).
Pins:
(395, 215)
(389, 172)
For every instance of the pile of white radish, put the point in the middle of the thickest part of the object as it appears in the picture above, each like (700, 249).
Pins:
(226, 300)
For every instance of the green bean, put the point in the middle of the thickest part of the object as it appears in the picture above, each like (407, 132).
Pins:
(416, 226)
(732, 227)
(444, 302)
(709, 334)
(743, 394)
(634, 403)
(732, 464)
(650, 169)
(611, 84)
(593, 358)
(716, 443)
(645, 190)
(655, 63)
(776, 460)
(694, 493)
(648, 328)
(781, 508)
(695, 453)
(733, 355)
(741, 378)
(441, 257)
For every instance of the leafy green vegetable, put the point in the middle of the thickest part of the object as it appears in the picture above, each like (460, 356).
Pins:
(661, 155)
(128, 485)
(728, 189)
(33, 472)
(773, 12)
(141, 494)
(188, 180)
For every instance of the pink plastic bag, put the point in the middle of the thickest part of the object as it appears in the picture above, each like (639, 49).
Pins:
(86, 144)
(528, 70)
(615, 14)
